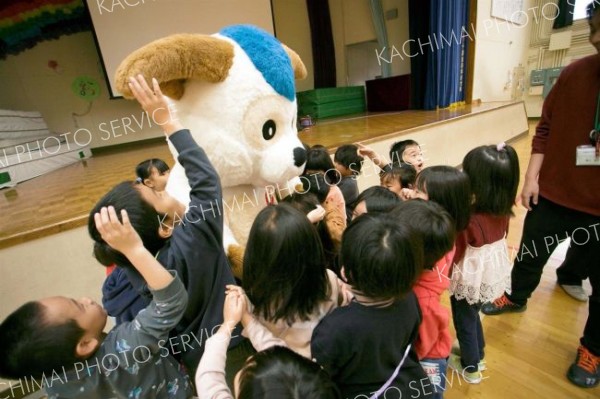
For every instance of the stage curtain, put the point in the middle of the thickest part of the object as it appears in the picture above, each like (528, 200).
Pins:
(323, 50)
(447, 62)
(566, 9)
(418, 14)
(381, 32)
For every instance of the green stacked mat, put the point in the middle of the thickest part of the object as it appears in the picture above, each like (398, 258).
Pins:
(330, 102)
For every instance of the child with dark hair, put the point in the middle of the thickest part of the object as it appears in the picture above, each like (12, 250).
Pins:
(407, 152)
(119, 298)
(274, 371)
(321, 178)
(482, 265)
(450, 188)
(153, 173)
(309, 204)
(433, 344)
(398, 175)
(334, 206)
(349, 164)
(189, 243)
(366, 346)
(63, 337)
(374, 199)
(285, 276)
(318, 160)
(399, 179)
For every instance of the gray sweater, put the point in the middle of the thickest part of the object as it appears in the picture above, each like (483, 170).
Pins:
(134, 360)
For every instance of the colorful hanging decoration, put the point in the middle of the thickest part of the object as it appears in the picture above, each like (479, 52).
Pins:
(23, 24)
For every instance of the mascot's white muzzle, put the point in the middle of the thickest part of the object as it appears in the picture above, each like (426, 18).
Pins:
(282, 161)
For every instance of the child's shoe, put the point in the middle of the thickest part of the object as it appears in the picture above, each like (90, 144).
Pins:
(474, 377)
(501, 305)
(481, 366)
(585, 372)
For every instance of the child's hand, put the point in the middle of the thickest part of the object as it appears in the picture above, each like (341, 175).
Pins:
(365, 151)
(407, 193)
(247, 315)
(120, 236)
(370, 153)
(316, 215)
(235, 303)
(154, 103)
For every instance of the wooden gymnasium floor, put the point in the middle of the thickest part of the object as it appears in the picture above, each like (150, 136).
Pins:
(527, 353)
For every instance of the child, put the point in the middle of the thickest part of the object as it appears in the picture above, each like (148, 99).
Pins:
(153, 173)
(374, 199)
(399, 179)
(348, 163)
(63, 337)
(274, 372)
(318, 162)
(285, 276)
(366, 346)
(433, 345)
(189, 243)
(450, 188)
(407, 152)
(334, 205)
(309, 204)
(119, 298)
(481, 264)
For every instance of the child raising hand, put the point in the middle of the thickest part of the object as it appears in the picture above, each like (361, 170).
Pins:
(126, 362)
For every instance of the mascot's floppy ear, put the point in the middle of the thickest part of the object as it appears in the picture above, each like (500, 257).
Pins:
(297, 64)
(175, 58)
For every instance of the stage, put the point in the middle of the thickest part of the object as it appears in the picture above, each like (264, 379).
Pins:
(61, 200)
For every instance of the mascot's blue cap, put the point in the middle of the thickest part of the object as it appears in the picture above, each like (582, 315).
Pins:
(267, 55)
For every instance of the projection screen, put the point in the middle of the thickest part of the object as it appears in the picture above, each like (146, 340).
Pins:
(121, 26)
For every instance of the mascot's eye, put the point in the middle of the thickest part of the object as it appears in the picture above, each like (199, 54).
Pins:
(269, 129)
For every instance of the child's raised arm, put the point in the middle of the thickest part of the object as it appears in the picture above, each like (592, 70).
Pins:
(365, 151)
(123, 238)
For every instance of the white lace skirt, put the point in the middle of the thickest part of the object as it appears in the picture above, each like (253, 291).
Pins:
(483, 274)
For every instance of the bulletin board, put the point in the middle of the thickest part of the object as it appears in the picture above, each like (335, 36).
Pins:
(510, 10)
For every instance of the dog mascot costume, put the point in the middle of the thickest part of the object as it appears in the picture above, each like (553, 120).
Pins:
(235, 91)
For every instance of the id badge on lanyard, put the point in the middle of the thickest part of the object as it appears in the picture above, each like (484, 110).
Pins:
(589, 155)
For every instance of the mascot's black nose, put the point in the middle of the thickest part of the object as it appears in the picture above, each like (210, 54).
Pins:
(299, 156)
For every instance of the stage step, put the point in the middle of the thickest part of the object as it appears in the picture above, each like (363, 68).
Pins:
(28, 149)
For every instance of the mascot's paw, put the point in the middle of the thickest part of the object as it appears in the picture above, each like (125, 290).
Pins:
(235, 254)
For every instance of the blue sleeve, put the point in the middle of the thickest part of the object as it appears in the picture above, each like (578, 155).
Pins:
(205, 186)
